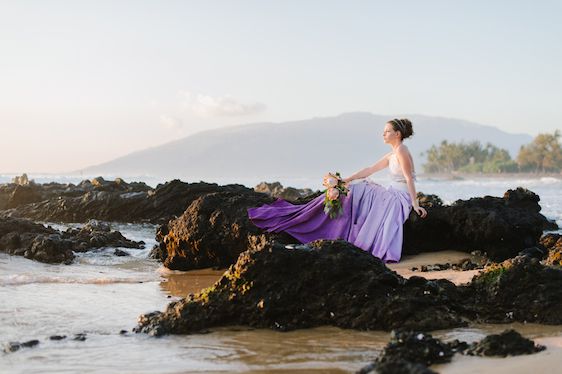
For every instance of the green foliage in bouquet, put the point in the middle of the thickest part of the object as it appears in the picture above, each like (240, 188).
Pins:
(335, 189)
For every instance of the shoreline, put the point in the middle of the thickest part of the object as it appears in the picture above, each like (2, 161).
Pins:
(461, 176)
(66, 178)
(322, 349)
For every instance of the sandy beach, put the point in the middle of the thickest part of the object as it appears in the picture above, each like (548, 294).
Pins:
(458, 277)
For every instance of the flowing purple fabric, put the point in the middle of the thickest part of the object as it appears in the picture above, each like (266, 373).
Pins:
(372, 219)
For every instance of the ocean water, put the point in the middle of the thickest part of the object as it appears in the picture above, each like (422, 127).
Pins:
(101, 294)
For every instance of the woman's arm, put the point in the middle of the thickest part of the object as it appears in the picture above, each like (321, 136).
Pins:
(405, 162)
(363, 173)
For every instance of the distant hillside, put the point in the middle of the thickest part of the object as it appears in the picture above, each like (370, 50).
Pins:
(295, 149)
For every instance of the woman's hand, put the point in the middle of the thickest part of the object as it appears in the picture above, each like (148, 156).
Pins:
(420, 211)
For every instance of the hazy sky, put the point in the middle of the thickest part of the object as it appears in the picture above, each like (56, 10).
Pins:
(83, 82)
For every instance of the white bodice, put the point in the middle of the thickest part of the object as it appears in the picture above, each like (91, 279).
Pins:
(396, 173)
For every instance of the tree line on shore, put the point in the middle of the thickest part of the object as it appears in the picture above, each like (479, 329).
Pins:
(542, 155)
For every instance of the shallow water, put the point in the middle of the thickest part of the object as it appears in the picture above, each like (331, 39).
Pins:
(102, 294)
(54, 304)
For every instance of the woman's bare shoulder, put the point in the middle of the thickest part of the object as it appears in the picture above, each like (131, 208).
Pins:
(387, 156)
(402, 149)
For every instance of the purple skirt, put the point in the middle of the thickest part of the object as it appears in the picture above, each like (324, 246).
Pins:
(373, 218)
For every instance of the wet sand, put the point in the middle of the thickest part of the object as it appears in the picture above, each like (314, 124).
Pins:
(547, 361)
(455, 276)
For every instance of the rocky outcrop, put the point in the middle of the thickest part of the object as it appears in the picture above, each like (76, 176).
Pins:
(334, 283)
(34, 241)
(330, 283)
(22, 237)
(276, 190)
(213, 231)
(115, 201)
(22, 180)
(411, 352)
(508, 343)
(19, 194)
(499, 227)
(23, 194)
(520, 289)
(96, 234)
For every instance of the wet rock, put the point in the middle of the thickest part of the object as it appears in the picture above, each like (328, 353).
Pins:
(553, 243)
(52, 200)
(96, 234)
(508, 343)
(550, 225)
(429, 201)
(537, 251)
(51, 249)
(414, 351)
(396, 366)
(115, 201)
(15, 346)
(23, 194)
(435, 267)
(417, 347)
(30, 343)
(276, 190)
(411, 352)
(21, 226)
(156, 252)
(95, 225)
(12, 347)
(22, 180)
(213, 231)
(22, 237)
(500, 227)
(520, 289)
(99, 182)
(335, 284)
(463, 265)
(57, 337)
(120, 253)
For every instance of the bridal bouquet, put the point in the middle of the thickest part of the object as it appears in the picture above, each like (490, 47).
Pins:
(335, 188)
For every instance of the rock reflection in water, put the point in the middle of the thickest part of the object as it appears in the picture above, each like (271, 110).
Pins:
(322, 349)
(183, 283)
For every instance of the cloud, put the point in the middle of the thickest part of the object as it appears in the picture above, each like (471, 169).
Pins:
(225, 106)
(171, 123)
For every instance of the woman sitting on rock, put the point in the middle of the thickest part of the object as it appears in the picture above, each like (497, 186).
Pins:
(373, 215)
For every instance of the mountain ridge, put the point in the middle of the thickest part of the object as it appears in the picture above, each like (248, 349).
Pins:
(306, 147)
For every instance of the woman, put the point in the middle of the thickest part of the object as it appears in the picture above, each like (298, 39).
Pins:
(373, 215)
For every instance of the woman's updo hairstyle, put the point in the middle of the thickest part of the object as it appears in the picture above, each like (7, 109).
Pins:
(403, 125)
